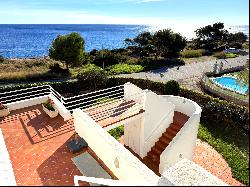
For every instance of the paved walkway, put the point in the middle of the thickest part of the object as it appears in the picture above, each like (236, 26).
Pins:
(207, 157)
(187, 72)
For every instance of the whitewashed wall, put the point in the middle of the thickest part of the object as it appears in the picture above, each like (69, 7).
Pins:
(110, 151)
(61, 108)
(27, 102)
(183, 144)
(183, 105)
(133, 92)
(158, 116)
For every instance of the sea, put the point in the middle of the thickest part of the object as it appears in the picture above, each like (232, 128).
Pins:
(31, 41)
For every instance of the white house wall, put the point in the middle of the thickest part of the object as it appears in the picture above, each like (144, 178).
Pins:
(158, 116)
(183, 144)
(110, 151)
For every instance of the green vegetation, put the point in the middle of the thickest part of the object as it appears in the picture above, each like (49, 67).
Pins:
(48, 105)
(92, 77)
(117, 132)
(192, 53)
(245, 45)
(220, 55)
(68, 49)
(216, 38)
(162, 43)
(124, 68)
(223, 55)
(243, 77)
(231, 55)
(172, 87)
(232, 143)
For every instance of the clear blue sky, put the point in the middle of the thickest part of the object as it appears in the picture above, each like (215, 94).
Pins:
(196, 12)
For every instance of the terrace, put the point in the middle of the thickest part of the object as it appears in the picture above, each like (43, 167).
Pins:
(38, 145)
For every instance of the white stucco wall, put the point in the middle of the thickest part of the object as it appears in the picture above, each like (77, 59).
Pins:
(183, 144)
(110, 150)
(183, 105)
(27, 102)
(158, 116)
(133, 92)
(62, 110)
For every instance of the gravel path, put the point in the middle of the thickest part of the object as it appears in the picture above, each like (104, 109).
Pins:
(186, 72)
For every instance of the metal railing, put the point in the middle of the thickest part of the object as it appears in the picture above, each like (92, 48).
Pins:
(89, 101)
(22, 94)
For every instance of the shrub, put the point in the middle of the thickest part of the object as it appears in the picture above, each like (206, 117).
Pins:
(124, 68)
(56, 68)
(172, 88)
(92, 77)
(117, 132)
(1, 58)
(245, 45)
(220, 55)
(49, 105)
(231, 55)
(193, 53)
(236, 45)
(108, 58)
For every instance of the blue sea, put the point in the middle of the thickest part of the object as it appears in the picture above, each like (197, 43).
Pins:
(25, 41)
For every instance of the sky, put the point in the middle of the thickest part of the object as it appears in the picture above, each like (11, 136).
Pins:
(180, 13)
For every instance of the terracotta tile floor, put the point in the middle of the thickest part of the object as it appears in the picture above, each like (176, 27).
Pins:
(37, 146)
(211, 160)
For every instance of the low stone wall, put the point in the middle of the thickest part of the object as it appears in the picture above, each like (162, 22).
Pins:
(205, 80)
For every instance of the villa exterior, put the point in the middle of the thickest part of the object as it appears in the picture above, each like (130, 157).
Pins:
(159, 133)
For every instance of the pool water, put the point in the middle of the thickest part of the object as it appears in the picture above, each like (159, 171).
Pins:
(231, 83)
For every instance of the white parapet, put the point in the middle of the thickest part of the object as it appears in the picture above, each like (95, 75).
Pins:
(184, 142)
(27, 102)
(187, 173)
(7, 177)
(63, 111)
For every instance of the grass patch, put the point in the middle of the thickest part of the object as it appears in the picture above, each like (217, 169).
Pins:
(231, 55)
(117, 132)
(192, 53)
(123, 68)
(232, 143)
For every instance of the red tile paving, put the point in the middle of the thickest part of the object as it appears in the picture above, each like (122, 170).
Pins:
(211, 160)
(37, 146)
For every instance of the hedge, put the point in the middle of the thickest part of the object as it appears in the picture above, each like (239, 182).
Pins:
(213, 109)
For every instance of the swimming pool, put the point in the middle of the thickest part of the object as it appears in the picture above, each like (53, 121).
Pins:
(231, 83)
